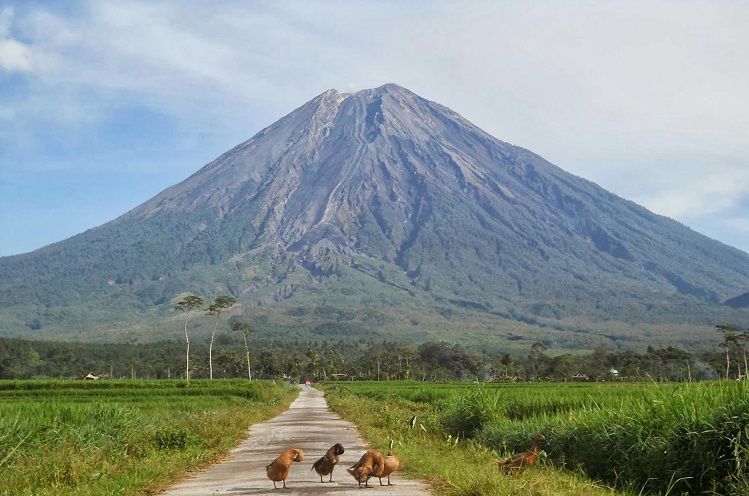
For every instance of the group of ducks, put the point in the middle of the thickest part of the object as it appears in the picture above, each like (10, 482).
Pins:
(374, 464)
(371, 464)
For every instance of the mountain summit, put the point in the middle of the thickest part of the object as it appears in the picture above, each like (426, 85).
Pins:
(383, 213)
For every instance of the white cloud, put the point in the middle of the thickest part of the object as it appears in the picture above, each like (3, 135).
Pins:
(708, 194)
(555, 76)
(14, 55)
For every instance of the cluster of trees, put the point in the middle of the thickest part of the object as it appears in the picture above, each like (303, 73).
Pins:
(278, 358)
(666, 364)
(191, 303)
(440, 361)
(735, 343)
(228, 355)
(663, 364)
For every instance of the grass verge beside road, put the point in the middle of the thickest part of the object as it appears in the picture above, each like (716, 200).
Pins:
(122, 437)
(641, 438)
(452, 467)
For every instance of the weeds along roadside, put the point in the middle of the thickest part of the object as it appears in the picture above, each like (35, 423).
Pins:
(691, 438)
(122, 437)
(658, 439)
(451, 465)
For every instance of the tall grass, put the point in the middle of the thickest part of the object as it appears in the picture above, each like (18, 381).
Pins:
(693, 438)
(475, 409)
(647, 438)
(452, 466)
(120, 437)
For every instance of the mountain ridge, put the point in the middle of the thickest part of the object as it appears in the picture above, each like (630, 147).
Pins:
(382, 192)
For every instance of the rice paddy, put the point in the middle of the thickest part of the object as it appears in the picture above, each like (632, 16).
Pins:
(122, 437)
(130, 437)
(619, 437)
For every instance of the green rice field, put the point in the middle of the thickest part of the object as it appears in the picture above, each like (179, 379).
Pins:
(607, 438)
(122, 437)
(135, 437)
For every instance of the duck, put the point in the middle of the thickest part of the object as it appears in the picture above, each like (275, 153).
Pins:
(371, 464)
(326, 464)
(278, 469)
(516, 463)
(392, 463)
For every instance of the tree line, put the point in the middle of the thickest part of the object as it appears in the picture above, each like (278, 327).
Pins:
(229, 355)
(190, 303)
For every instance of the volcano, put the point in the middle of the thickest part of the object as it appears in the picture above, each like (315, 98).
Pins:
(382, 214)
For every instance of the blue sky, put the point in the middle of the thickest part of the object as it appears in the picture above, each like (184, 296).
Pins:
(104, 104)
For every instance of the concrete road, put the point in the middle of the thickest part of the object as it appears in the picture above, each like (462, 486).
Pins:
(310, 426)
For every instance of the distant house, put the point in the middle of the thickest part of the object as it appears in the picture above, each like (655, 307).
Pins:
(613, 372)
(90, 377)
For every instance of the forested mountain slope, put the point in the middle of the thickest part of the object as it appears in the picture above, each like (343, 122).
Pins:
(382, 213)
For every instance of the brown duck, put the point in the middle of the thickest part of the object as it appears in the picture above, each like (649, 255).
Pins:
(326, 464)
(392, 463)
(371, 464)
(516, 463)
(278, 469)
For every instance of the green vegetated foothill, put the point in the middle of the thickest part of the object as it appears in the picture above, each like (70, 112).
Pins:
(122, 437)
(637, 438)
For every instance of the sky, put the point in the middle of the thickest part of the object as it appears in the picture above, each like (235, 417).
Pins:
(104, 104)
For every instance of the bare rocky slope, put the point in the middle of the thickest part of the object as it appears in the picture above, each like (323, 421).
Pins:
(380, 213)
